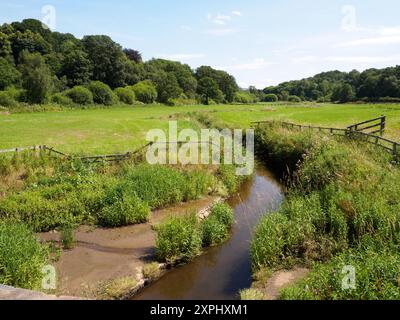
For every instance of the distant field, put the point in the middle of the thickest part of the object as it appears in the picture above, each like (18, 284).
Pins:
(120, 129)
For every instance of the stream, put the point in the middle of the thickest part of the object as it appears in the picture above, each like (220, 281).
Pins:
(222, 271)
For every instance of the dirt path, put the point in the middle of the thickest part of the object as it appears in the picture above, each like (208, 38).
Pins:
(105, 254)
(281, 280)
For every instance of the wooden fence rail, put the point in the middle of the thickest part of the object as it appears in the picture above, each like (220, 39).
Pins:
(108, 158)
(353, 131)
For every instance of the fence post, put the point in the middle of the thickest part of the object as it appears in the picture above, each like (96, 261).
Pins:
(383, 124)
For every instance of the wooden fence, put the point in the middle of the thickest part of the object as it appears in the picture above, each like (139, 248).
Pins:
(107, 158)
(356, 131)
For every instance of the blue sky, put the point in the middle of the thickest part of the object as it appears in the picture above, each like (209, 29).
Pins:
(260, 42)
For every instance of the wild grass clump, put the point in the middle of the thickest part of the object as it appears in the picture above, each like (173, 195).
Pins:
(341, 192)
(22, 257)
(179, 239)
(161, 186)
(376, 278)
(123, 212)
(151, 271)
(217, 226)
(67, 234)
(251, 295)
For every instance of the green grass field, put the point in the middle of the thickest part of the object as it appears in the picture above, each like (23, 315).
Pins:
(120, 129)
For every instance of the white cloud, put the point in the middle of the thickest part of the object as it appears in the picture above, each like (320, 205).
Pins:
(304, 59)
(389, 31)
(256, 64)
(236, 13)
(220, 19)
(220, 32)
(182, 56)
(386, 40)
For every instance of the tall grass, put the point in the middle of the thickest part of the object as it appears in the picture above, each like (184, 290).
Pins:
(340, 192)
(181, 238)
(22, 257)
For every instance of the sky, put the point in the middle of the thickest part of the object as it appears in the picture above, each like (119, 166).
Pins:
(260, 42)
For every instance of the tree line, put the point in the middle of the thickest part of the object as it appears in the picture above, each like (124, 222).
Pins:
(39, 66)
(335, 86)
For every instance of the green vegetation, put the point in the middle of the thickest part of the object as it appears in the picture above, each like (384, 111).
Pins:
(45, 63)
(217, 226)
(120, 129)
(151, 271)
(342, 206)
(178, 239)
(22, 257)
(181, 238)
(68, 236)
(82, 193)
(370, 85)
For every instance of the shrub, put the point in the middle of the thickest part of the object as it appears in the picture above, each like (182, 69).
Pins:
(125, 95)
(102, 93)
(145, 91)
(6, 100)
(271, 98)
(61, 99)
(125, 211)
(294, 99)
(22, 257)
(179, 238)
(244, 97)
(227, 174)
(80, 95)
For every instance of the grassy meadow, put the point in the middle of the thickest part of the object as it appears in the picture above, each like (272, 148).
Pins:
(122, 128)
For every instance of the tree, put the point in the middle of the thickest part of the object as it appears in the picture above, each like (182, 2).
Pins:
(76, 67)
(225, 82)
(133, 55)
(28, 41)
(36, 77)
(343, 93)
(5, 45)
(108, 60)
(208, 89)
(167, 87)
(9, 75)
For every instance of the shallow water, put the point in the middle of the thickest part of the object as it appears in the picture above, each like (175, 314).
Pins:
(221, 272)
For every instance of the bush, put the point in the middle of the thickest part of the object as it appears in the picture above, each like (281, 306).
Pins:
(22, 257)
(145, 91)
(61, 99)
(294, 99)
(271, 98)
(244, 97)
(179, 238)
(6, 100)
(80, 95)
(123, 212)
(102, 93)
(224, 214)
(125, 95)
